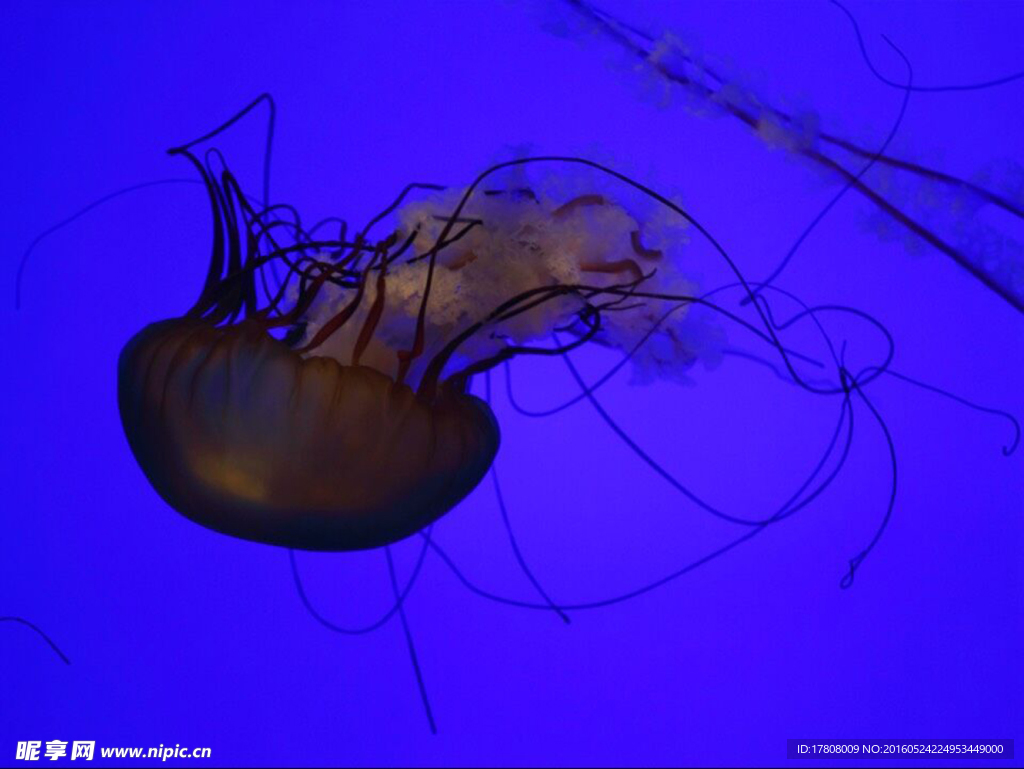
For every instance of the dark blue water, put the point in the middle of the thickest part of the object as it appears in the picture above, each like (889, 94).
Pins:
(177, 635)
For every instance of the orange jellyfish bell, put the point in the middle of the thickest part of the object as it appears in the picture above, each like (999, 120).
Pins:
(239, 433)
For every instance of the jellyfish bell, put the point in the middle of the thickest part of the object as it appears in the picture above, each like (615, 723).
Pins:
(356, 428)
(241, 434)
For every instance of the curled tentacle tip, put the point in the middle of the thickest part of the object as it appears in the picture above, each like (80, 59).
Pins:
(1008, 450)
(847, 581)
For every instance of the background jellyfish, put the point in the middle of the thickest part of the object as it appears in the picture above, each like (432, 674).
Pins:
(941, 209)
(675, 655)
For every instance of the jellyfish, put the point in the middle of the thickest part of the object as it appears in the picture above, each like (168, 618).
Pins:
(353, 428)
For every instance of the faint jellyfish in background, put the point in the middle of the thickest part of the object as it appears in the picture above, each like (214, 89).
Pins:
(944, 211)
